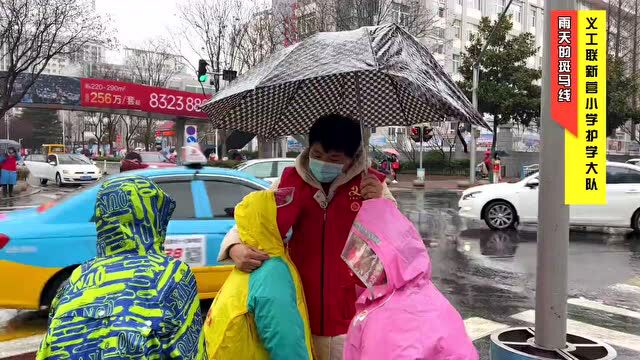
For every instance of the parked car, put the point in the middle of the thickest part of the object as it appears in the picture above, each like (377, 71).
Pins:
(145, 159)
(633, 161)
(39, 248)
(267, 169)
(62, 168)
(504, 205)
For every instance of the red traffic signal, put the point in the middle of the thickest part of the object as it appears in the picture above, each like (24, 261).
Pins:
(427, 134)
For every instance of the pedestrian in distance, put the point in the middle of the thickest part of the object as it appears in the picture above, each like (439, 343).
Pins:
(400, 314)
(269, 300)
(131, 301)
(328, 185)
(395, 166)
(9, 171)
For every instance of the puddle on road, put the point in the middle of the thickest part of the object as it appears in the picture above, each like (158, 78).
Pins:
(16, 324)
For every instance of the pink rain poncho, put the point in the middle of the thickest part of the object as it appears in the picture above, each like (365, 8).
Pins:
(401, 314)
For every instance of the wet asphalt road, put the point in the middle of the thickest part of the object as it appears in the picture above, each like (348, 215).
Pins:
(486, 275)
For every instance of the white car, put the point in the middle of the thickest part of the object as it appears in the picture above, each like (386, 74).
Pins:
(504, 205)
(633, 161)
(266, 169)
(62, 168)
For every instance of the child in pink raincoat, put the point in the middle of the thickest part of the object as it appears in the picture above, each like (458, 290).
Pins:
(400, 314)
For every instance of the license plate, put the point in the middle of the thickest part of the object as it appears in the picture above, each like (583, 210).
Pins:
(85, 177)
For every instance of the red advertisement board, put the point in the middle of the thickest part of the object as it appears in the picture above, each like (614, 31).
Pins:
(122, 95)
(564, 69)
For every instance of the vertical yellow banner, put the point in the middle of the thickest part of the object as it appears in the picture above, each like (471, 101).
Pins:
(585, 154)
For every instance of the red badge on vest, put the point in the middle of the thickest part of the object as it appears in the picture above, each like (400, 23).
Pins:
(355, 206)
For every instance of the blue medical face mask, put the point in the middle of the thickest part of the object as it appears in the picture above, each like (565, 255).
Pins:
(324, 172)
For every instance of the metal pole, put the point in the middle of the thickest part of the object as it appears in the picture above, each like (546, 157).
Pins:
(63, 131)
(553, 214)
(216, 144)
(421, 139)
(472, 141)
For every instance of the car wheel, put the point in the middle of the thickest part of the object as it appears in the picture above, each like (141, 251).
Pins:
(59, 180)
(500, 215)
(635, 221)
(54, 286)
(43, 181)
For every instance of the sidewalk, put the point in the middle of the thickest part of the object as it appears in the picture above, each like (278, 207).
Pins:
(438, 182)
(434, 182)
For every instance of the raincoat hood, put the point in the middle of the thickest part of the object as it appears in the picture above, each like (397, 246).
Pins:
(395, 241)
(256, 221)
(132, 214)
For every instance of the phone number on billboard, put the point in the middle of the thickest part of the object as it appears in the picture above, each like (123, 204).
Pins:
(174, 102)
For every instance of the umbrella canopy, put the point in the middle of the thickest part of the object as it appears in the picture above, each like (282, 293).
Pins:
(392, 152)
(379, 75)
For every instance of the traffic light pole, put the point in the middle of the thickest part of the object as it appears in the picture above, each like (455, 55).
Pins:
(472, 141)
(474, 96)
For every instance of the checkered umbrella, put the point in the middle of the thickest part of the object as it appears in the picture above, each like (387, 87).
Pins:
(380, 75)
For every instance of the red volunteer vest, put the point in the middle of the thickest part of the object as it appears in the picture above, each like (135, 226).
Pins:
(319, 235)
(10, 163)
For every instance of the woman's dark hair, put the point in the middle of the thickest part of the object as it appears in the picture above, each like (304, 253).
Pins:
(336, 133)
(133, 156)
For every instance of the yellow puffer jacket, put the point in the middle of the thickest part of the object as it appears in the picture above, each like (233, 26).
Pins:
(261, 315)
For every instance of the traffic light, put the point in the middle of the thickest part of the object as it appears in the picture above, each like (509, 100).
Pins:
(427, 134)
(202, 71)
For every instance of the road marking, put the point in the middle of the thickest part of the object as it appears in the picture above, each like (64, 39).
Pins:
(20, 346)
(602, 307)
(626, 288)
(610, 337)
(478, 328)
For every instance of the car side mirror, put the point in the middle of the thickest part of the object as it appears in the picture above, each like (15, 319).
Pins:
(533, 183)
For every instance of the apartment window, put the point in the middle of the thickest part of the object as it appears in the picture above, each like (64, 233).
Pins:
(440, 49)
(456, 28)
(533, 18)
(456, 63)
(307, 25)
(400, 14)
(500, 5)
(439, 32)
(516, 11)
(473, 30)
(441, 12)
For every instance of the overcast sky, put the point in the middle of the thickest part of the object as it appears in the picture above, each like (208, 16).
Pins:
(137, 20)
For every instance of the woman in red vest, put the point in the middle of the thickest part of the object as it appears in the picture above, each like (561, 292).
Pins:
(327, 187)
(8, 172)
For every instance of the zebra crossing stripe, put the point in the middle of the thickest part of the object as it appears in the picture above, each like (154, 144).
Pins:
(602, 307)
(20, 346)
(611, 337)
(478, 328)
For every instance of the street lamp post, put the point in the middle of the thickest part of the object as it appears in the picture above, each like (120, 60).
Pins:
(474, 95)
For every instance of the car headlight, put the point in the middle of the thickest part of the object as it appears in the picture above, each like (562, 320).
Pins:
(66, 172)
(471, 195)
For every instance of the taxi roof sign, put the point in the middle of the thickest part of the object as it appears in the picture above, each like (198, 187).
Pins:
(193, 156)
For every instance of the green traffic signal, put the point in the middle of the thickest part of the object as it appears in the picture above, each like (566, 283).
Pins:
(203, 78)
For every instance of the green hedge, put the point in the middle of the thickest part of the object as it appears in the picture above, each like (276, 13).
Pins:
(435, 163)
(227, 164)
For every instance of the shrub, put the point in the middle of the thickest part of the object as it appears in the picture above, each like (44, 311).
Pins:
(227, 164)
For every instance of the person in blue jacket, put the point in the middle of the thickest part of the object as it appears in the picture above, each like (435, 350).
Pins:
(131, 301)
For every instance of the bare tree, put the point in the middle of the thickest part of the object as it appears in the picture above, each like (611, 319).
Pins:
(210, 26)
(152, 64)
(33, 32)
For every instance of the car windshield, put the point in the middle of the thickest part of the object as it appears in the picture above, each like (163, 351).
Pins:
(69, 159)
(153, 158)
